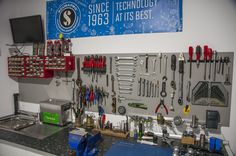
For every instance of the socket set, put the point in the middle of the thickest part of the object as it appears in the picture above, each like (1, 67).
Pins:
(16, 66)
(60, 63)
(38, 66)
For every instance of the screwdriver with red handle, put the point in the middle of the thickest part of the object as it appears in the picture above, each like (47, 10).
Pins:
(198, 55)
(190, 52)
(210, 54)
(205, 51)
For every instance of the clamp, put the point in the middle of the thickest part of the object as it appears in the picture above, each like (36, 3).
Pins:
(161, 104)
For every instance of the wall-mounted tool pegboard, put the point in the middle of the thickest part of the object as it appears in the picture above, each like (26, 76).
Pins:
(168, 83)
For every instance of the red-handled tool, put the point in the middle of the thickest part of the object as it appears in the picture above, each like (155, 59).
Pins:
(190, 52)
(163, 105)
(210, 54)
(198, 54)
(205, 52)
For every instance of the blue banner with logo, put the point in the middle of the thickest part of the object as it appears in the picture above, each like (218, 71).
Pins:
(86, 18)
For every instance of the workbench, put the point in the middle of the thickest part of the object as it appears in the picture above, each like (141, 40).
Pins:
(56, 144)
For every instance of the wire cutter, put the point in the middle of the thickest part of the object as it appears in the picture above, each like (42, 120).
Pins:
(161, 104)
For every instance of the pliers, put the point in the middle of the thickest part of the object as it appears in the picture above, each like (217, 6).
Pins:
(161, 104)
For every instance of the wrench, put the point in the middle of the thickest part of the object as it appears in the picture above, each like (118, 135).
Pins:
(172, 95)
(125, 84)
(181, 77)
(126, 69)
(227, 77)
(125, 92)
(146, 63)
(118, 58)
(188, 98)
(126, 64)
(140, 85)
(147, 89)
(128, 80)
(157, 88)
(173, 68)
(110, 65)
(112, 84)
(154, 61)
(165, 76)
(144, 87)
(125, 75)
(125, 88)
(163, 91)
(160, 57)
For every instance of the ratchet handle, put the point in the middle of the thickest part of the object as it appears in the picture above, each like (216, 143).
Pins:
(173, 62)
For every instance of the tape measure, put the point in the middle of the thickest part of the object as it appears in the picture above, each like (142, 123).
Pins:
(186, 110)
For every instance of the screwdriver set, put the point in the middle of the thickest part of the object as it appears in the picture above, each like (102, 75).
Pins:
(183, 84)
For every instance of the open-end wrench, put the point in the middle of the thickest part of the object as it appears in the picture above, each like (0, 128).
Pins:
(154, 61)
(147, 88)
(125, 75)
(173, 68)
(140, 86)
(181, 78)
(144, 83)
(160, 57)
(126, 64)
(150, 89)
(158, 86)
(118, 58)
(165, 63)
(125, 92)
(128, 80)
(126, 69)
(125, 84)
(126, 88)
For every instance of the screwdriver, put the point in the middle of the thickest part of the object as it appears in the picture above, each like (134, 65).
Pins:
(198, 54)
(205, 59)
(210, 54)
(190, 52)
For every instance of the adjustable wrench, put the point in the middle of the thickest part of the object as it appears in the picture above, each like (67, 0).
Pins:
(188, 98)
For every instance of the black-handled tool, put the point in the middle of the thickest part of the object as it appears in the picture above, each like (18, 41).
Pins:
(173, 68)
(181, 78)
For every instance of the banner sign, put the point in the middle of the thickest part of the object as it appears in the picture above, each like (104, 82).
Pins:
(85, 18)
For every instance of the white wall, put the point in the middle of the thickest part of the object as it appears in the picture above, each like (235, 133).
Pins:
(209, 22)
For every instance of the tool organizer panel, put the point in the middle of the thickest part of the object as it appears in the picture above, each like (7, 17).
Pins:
(169, 83)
